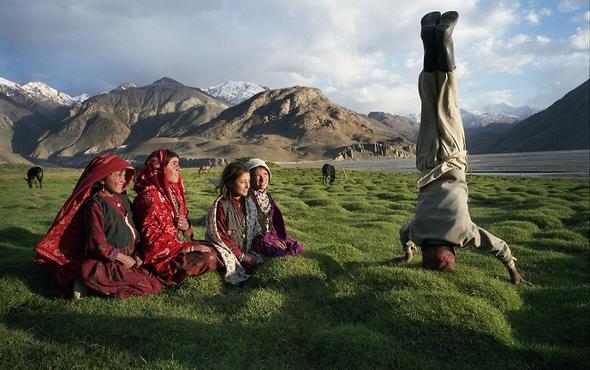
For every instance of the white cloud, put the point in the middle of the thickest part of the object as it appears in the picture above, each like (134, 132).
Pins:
(517, 40)
(535, 17)
(581, 39)
(566, 6)
(498, 96)
(413, 63)
(545, 12)
(585, 17)
(400, 99)
(362, 55)
(493, 55)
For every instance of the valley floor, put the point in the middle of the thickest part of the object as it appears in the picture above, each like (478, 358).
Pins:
(557, 163)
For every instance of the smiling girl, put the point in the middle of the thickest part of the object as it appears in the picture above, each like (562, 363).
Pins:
(160, 208)
(232, 223)
(273, 241)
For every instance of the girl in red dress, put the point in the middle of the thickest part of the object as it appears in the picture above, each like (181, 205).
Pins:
(93, 237)
(166, 234)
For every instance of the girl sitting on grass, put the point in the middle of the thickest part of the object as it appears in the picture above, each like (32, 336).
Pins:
(232, 223)
(92, 240)
(273, 241)
(160, 208)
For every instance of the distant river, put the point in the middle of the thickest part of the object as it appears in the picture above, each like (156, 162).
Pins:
(558, 163)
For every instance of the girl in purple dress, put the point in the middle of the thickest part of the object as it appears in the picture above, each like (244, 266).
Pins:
(273, 240)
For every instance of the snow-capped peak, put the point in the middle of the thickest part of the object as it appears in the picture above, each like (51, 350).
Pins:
(520, 112)
(8, 83)
(236, 92)
(44, 91)
(123, 86)
(126, 85)
(80, 98)
(39, 90)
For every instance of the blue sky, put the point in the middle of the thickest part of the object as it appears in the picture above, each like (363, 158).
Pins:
(364, 55)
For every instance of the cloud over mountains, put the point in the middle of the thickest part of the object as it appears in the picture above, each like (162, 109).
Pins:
(365, 56)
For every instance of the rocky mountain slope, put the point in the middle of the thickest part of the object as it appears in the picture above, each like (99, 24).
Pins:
(125, 117)
(25, 120)
(562, 126)
(400, 125)
(287, 124)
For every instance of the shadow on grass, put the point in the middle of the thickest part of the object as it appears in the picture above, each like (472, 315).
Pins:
(327, 263)
(569, 304)
(16, 260)
(291, 337)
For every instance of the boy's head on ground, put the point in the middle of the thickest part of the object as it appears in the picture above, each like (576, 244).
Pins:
(439, 257)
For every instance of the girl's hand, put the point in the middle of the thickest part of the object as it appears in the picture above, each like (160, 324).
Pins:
(182, 223)
(127, 261)
(138, 261)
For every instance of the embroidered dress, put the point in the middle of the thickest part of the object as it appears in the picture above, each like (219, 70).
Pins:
(109, 232)
(273, 241)
(231, 232)
(165, 249)
(61, 250)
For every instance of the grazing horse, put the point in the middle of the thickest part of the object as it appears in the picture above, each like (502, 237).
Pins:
(204, 169)
(328, 171)
(34, 175)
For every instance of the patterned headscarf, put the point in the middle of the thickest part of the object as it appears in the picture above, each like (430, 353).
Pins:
(153, 174)
(61, 248)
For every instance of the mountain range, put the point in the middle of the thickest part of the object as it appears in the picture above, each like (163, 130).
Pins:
(41, 91)
(562, 126)
(233, 119)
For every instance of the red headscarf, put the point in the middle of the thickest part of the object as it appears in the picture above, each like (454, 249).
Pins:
(153, 174)
(154, 209)
(61, 248)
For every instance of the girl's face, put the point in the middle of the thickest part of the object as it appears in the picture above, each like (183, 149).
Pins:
(173, 170)
(260, 180)
(241, 185)
(115, 182)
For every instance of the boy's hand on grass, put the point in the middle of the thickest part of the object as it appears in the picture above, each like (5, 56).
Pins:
(405, 258)
(516, 278)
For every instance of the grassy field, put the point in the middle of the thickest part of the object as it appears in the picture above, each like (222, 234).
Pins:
(340, 305)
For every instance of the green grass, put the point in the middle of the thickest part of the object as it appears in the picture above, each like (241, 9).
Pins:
(340, 305)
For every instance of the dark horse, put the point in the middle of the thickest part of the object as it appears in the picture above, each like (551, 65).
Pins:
(328, 171)
(34, 175)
